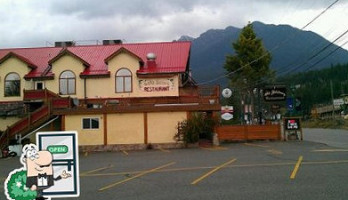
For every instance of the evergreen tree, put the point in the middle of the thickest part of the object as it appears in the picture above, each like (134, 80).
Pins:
(251, 62)
(249, 67)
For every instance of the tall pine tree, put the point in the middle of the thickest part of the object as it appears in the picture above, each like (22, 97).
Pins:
(248, 68)
(250, 64)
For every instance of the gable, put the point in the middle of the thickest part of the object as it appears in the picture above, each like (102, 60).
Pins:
(67, 62)
(122, 50)
(14, 64)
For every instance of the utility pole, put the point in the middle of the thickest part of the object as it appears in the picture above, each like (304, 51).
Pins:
(259, 113)
(332, 98)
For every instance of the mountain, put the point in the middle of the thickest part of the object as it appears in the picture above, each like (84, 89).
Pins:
(290, 48)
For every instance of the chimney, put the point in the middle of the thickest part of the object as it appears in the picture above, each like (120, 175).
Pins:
(64, 44)
(151, 60)
(110, 42)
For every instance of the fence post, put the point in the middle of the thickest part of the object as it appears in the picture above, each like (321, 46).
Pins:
(29, 117)
(246, 132)
(46, 98)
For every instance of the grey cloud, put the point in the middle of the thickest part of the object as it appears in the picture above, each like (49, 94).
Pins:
(155, 8)
(92, 9)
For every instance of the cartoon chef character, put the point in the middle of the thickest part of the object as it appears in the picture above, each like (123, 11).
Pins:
(39, 169)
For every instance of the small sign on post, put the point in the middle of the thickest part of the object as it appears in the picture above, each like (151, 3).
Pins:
(292, 128)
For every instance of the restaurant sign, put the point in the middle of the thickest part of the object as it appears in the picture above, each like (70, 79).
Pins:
(156, 85)
(274, 93)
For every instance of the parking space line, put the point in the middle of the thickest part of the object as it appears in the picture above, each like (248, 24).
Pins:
(136, 176)
(96, 170)
(297, 166)
(256, 145)
(212, 171)
(210, 167)
(331, 150)
(275, 152)
(214, 148)
(164, 150)
(325, 162)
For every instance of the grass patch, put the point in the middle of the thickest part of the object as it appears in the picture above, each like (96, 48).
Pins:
(327, 123)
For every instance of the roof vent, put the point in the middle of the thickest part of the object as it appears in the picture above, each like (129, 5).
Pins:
(151, 56)
(110, 42)
(64, 44)
(151, 60)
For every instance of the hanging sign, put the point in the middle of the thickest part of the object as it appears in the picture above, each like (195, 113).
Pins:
(274, 93)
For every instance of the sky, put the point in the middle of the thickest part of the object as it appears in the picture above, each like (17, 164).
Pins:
(39, 23)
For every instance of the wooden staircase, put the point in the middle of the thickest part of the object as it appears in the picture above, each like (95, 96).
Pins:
(34, 119)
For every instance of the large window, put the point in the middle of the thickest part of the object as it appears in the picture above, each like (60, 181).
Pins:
(12, 85)
(90, 123)
(123, 81)
(67, 83)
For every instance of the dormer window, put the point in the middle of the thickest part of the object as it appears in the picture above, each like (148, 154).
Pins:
(67, 83)
(123, 81)
(12, 85)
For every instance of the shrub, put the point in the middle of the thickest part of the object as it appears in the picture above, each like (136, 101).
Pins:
(199, 125)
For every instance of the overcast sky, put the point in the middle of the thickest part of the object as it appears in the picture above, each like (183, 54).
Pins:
(32, 23)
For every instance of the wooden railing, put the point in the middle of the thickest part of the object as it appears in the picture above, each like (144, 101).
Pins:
(200, 91)
(249, 132)
(26, 123)
(39, 95)
(61, 102)
(51, 101)
(202, 95)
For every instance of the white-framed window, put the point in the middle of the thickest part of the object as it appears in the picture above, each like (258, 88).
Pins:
(90, 123)
(39, 85)
(123, 81)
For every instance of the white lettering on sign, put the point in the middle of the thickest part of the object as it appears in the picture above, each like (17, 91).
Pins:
(156, 85)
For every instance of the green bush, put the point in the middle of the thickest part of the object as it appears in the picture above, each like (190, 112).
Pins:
(198, 126)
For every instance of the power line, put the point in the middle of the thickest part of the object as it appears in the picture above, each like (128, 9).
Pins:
(318, 53)
(311, 66)
(274, 48)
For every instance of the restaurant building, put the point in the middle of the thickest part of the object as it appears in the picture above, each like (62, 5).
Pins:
(117, 96)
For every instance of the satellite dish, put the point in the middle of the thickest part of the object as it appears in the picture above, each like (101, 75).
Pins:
(227, 93)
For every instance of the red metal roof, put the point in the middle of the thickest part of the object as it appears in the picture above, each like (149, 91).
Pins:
(37, 57)
(172, 57)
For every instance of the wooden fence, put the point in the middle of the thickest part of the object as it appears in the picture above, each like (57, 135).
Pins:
(249, 132)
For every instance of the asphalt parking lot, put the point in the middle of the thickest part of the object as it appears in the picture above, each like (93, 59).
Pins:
(258, 170)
